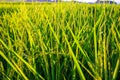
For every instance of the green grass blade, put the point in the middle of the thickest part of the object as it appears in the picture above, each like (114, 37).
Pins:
(9, 62)
(117, 67)
(95, 37)
(27, 64)
(74, 58)
(21, 72)
(84, 54)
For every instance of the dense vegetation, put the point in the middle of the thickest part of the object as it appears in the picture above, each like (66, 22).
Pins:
(55, 41)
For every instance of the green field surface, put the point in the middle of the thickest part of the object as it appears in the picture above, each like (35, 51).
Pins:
(59, 41)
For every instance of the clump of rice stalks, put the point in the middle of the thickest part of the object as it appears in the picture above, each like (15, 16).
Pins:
(54, 41)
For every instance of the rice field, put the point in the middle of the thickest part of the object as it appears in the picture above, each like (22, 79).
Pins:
(59, 41)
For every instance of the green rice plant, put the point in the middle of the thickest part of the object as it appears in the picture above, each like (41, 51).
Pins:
(55, 41)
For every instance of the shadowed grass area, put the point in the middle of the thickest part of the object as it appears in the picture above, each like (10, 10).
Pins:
(55, 41)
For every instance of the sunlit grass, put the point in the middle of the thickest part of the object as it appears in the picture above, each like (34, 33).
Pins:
(55, 41)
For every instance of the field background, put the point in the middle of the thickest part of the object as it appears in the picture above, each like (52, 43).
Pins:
(59, 41)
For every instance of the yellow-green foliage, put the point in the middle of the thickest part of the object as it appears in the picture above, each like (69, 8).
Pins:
(55, 41)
